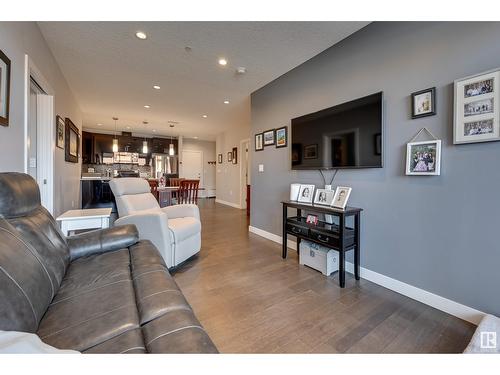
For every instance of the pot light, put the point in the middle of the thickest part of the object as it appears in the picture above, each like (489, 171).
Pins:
(226, 101)
(141, 35)
(128, 127)
(115, 140)
(147, 106)
(204, 116)
(156, 87)
(222, 62)
(144, 147)
(99, 124)
(154, 130)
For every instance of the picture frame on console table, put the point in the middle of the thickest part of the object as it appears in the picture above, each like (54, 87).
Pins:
(324, 197)
(476, 108)
(341, 197)
(306, 193)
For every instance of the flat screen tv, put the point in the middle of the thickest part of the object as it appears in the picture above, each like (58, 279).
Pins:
(348, 135)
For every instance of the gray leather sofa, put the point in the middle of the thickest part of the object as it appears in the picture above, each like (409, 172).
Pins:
(100, 292)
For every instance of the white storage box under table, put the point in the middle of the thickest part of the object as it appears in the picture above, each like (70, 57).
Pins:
(319, 257)
(93, 218)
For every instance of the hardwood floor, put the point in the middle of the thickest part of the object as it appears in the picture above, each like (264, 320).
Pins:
(252, 301)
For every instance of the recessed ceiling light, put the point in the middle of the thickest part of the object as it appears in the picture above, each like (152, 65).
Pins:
(141, 35)
(156, 87)
(147, 106)
(226, 101)
(204, 116)
(188, 48)
(154, 130)
(99, 124)
(222, 62)
(128, 127)
(195, 137)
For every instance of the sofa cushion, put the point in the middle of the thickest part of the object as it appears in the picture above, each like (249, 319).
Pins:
(130, 342)
(183, 227)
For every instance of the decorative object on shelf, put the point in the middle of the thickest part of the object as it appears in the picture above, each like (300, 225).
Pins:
(311, 151)
(281, 137)
(60, 132)
(306, 193)
(259, 142)
(4, 89)
(424, 157)
(219, 157)
(324, 197)
(229, 157)
(269, 139)
(296, 153)
(341, 197)
(312, 219)
(423, 103)
(115, 140)
(235, 155)
(476, 117)
(294, 192)
(378, 143)
(72, 141)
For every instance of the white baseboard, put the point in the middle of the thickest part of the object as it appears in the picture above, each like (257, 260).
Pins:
(227, 203)
(451, 307)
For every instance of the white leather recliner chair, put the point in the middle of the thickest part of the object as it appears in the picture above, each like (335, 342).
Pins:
(174, 230)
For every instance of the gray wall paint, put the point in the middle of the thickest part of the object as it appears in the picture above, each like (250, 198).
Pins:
(16, 40)
(436, 233)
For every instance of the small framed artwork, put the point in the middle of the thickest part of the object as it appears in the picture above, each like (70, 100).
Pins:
(219, 158)
(341, 197)
(312, 219)
(306, 193)
(235, 155)
(423, 158)
(60, 132)
(476, 117)
(229, 156)
(72, 141)
(269, 137)
(423, 103)
(324, 197)
(259, 142)
(311, 151)
(4, 89)
(281, 137)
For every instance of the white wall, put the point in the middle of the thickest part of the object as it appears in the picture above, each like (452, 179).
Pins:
(208, 150)
(16, 40)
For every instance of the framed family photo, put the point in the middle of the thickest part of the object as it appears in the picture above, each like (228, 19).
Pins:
(4, 89)
(60, 132)
(476, 117)
(219, 158)
(306, 193)
(230, 156)
(341, 197)
(423, 103)
(72, 141)
(235, 155)
(269, 139)
(259, 142)
(423, 158)
(281, 137)
(324, 197)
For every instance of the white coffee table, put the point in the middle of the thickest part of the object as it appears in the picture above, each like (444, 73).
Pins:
(93, 218)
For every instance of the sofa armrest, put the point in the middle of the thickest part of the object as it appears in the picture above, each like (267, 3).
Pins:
(153, 226)
(15, 342)
(182, 210)
(102, 240)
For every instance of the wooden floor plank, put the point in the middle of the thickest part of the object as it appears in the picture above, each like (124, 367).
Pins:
(250, 300)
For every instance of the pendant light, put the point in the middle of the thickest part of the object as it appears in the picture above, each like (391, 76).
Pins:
(115, 140)
(171, 149)
(145, 142)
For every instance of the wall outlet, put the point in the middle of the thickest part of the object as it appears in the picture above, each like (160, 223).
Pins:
(261, 167)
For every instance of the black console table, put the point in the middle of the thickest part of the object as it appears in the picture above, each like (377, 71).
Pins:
(338, 237)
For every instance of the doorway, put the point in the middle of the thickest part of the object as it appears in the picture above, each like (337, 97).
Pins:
(192, 166)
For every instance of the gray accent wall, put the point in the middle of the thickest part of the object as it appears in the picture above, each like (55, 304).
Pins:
(438, 233)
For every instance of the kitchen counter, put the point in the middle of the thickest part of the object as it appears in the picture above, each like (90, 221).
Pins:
(96, 178)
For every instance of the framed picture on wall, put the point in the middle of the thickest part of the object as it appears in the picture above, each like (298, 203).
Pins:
(72, 142)
(229, 156)
(281, 137)
(476, 117)
(60, 130)
(269, 137)
(423, 158)
(259, 142)
(423, 103)
(235, 155)
(4, 89)
(219, 158)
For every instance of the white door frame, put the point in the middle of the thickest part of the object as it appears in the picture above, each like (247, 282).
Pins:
(45, 139)
(243, 203)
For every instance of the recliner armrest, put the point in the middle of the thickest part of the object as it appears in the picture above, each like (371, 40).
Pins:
(182, 210)
(102, 240)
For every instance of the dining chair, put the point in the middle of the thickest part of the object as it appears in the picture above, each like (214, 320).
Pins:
(174, 181)
(188, 192)
(153, 185)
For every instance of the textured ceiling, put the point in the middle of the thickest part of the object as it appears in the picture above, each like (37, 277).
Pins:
(111, 72)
